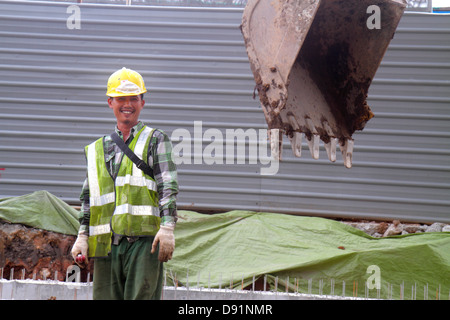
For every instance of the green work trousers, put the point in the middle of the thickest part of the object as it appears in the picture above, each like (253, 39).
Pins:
(130, 272)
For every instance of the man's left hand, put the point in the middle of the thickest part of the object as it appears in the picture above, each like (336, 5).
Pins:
(166, 241)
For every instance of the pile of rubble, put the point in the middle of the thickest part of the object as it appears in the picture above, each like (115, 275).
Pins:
(32, 253)
(385, 229)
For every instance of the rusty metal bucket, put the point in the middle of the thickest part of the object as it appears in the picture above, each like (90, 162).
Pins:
(313, 62)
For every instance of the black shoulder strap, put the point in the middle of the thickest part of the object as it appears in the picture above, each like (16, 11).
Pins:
(131, 155)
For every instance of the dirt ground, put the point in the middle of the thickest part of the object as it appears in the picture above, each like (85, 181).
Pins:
(30, 253)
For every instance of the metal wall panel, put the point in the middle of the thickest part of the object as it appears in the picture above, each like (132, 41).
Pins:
(52, 104)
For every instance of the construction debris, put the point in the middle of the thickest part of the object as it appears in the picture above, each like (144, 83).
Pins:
(380, 229)
(32, 253)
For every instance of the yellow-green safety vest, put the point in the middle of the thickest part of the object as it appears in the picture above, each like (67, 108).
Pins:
(129, 205)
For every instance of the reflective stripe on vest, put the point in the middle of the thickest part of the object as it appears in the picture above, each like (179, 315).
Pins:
(129, 206)
(136, 181)
(100, 229)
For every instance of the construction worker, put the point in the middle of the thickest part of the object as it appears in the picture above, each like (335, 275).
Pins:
(129, 215)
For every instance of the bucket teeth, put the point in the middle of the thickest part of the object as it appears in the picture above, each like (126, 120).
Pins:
(330, 147)
(275, 143)
(296, 139)
(313, 145)
(296, 143)
(347, 152)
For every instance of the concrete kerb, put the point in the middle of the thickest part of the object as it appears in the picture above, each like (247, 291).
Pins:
(58, 290)
(44, 290)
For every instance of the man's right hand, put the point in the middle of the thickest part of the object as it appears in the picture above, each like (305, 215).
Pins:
(80, 247)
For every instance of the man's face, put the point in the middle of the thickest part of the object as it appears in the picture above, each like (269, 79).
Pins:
(127, 109)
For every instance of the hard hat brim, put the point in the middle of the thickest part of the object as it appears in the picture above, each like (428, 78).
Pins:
(120, 94)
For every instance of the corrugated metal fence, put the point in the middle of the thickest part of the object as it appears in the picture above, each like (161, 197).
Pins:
(53, 74)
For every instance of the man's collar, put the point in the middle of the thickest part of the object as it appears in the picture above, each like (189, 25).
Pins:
(136, 128)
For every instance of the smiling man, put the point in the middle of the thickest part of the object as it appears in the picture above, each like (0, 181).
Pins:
(129, 215)
(127, 111)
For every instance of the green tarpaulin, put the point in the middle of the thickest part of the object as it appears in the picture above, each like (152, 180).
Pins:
(42, 210)
(310, 254)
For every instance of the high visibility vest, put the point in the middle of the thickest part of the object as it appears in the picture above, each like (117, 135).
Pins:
(128, 205)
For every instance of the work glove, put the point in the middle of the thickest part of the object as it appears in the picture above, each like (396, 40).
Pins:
(80, 246)
(166, 241)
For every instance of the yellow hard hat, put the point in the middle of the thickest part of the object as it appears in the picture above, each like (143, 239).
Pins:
(125, 82)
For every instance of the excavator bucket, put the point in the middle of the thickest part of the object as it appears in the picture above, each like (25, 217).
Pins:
(313, 62)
